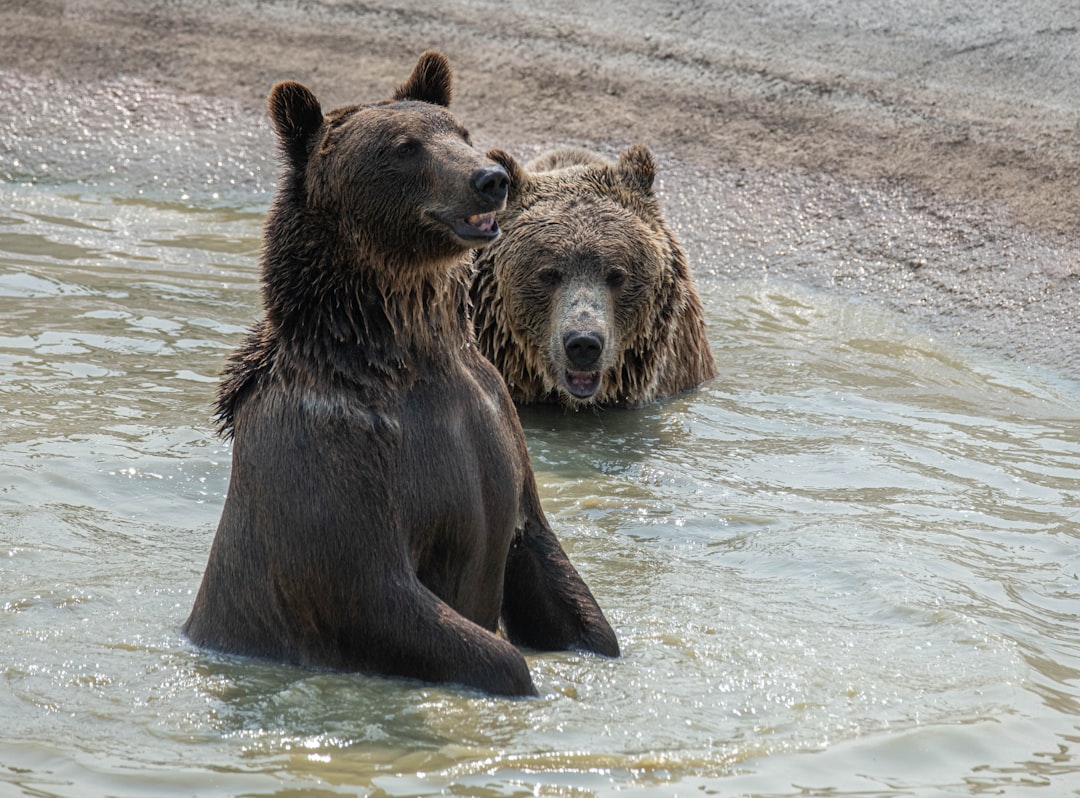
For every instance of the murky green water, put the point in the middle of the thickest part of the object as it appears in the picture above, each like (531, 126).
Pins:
(848, 566)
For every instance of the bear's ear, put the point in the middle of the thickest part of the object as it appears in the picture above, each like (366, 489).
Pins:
(637, 168)
(519, 178)
(431, 81)
(297, 117)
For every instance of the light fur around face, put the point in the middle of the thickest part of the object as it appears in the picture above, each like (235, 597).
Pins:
(587, 299)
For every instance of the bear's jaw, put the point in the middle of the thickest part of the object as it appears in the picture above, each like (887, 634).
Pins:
(473, 231)
(484, 223)
(581, 385)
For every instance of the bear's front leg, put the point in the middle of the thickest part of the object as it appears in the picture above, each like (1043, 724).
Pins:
(427, 639)
(546, 604)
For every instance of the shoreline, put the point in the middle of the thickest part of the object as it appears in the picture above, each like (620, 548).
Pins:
(940, 157)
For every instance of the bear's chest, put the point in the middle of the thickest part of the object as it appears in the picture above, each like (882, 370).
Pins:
(464, 472)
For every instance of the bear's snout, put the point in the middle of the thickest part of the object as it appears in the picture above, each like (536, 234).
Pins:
(491, 183)
(583, 349)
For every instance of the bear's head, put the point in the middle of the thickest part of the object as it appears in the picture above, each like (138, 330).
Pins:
(577, 297)
(395, 182)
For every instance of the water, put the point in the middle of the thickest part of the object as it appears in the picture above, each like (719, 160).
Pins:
(847, 566)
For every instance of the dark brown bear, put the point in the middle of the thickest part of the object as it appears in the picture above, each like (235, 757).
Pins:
(382, 514)
(586, 298)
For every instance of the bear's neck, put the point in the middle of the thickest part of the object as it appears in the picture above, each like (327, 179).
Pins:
(365, 314)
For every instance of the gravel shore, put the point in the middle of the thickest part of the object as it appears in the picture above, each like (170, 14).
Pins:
(963, 118)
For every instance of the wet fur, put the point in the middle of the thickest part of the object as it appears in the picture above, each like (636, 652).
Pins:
(382, 514)
(573, 206)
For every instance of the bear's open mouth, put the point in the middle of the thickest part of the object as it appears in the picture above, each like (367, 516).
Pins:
(581, 384)
(481, 226)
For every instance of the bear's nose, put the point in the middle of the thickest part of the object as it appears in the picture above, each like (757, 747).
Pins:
(491, 183)
(583, 348)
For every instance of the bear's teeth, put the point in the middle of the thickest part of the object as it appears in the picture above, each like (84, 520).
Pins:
(582, 384)
(482, 221)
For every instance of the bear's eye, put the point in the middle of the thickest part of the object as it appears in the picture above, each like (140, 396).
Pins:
(407, 148)
(549, 277)
(615, 278)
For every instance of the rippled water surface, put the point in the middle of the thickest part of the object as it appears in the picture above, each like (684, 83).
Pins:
(847, 566)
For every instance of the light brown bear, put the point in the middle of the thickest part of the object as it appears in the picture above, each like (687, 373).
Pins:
(382, 513)
(586, 298)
